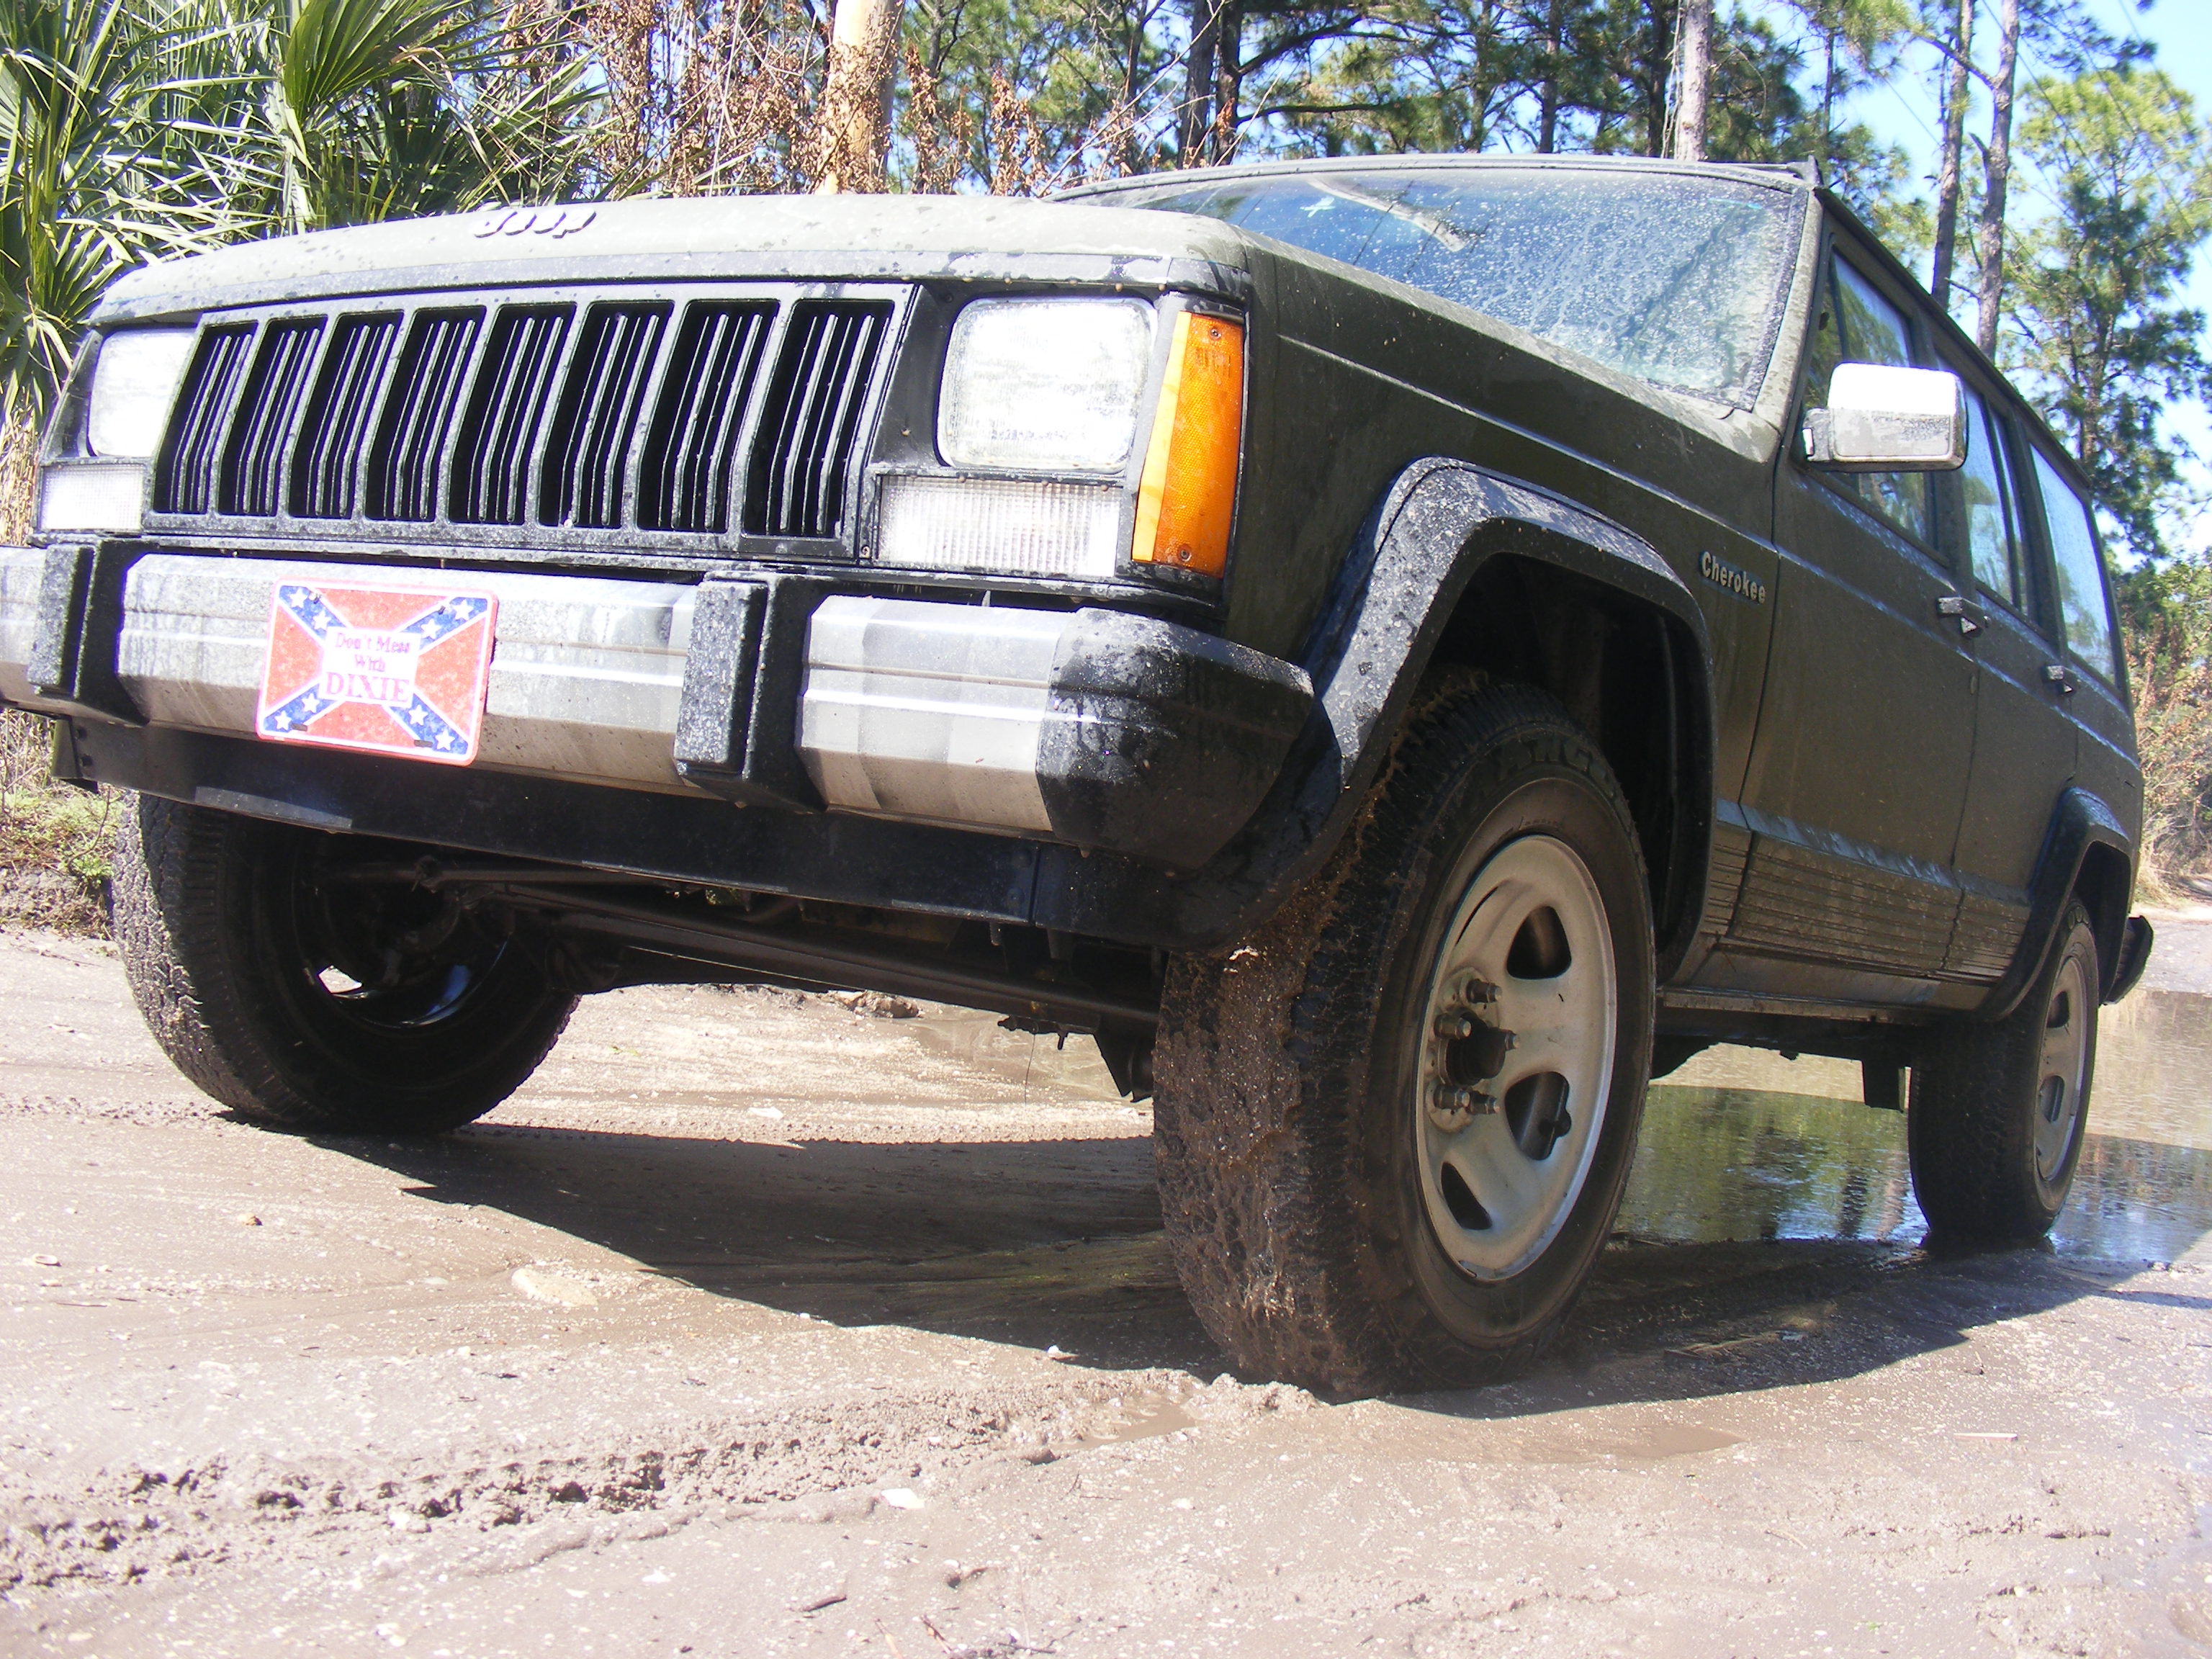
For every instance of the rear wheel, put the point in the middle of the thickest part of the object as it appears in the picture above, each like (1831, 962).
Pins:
(291, 994)
(1393, 1125)
(1999, 1109)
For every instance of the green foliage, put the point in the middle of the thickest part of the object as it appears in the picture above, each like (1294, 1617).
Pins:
(2096, 328)
(134, 130)
(100, 165)
(1032, 96)
(378, 109)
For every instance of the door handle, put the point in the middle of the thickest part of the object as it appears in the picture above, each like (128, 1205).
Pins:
(2062, 677)
(1968, 616)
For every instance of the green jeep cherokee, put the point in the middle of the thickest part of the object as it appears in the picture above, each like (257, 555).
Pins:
(1401, 651)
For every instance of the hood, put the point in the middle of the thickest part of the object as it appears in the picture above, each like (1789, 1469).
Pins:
(897, 237)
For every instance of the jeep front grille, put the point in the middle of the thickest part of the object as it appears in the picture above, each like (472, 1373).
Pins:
(694, 415)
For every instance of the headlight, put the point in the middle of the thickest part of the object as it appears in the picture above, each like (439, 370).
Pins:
(1045, 385)
(133, 383)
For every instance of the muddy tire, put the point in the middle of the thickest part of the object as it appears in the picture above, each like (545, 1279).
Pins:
(303, 1001)
(1999, 1109)
(1392, 1126)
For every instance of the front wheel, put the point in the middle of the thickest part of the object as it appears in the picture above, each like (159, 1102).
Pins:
(1392, 1126)
(1999, 1110)
(292, 993)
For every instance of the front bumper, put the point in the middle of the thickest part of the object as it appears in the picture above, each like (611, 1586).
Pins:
(1093, 728)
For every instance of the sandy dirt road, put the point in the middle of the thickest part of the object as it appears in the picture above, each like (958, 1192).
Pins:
(761, 1325)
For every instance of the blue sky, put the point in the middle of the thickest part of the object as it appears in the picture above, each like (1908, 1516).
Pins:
(1906, 113)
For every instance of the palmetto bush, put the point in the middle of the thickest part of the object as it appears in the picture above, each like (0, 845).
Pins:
(135, 130)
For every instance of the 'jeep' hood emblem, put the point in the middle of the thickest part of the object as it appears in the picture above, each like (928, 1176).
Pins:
(555, 222)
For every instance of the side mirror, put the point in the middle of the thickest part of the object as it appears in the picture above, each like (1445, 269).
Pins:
(1884, 419)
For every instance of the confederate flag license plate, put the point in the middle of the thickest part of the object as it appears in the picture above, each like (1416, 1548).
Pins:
(396, 670)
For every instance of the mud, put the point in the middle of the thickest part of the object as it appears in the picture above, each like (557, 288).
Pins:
(764, 1324)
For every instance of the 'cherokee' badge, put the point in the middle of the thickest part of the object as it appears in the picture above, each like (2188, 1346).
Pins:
(1731, 578)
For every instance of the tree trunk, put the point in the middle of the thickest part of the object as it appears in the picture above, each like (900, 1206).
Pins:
(855, 132)
(1956, 88)
(1195, 120)
(1547, 107)
(1989, 246)
(1828, 113)
(1658, 67)
(1228, 80)
(1131, 62)
(1694, 66)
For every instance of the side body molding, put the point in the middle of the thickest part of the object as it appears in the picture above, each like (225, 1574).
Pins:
(1439, 524)
(2081, 822)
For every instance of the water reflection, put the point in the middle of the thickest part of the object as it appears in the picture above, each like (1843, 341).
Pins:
(1745, 1145)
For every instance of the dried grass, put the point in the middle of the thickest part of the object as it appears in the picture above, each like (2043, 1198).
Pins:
(2167, 612)
(54, 839)
(19, 450)
(2173, 734)
(708, 98)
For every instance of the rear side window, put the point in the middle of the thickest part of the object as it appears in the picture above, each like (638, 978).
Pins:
(2082, 603)
(1858, 326)
(1991, 536)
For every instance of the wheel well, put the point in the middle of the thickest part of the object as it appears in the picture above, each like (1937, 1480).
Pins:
(1627, 673)
(2105, 884)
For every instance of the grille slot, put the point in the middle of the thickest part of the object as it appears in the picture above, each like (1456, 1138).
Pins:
(254, 460)
(588, 450)
(690, 454)
(804, 448)
(410, 438)
(185, 479)
(617, 418)
(327, 463)
(491, 464)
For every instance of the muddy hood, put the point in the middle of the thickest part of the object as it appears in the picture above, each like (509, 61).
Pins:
(803, 237)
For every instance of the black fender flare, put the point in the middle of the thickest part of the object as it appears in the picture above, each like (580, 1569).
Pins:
(2080, 822)
(1439, 524)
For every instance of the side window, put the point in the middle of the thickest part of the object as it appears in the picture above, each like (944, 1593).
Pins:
(1992, 533)
(2082, 604)
(1858, 326)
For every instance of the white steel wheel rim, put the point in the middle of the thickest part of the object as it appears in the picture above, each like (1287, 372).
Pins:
(1495, 1204)
(2064, 1058)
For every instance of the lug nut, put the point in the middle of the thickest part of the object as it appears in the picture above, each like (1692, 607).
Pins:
(1454, 1024)
(1452, 1108)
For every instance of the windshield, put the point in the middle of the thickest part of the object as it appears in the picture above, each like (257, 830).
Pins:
(1677, 279)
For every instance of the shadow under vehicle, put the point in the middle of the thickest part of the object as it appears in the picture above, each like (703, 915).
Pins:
(1398, 651)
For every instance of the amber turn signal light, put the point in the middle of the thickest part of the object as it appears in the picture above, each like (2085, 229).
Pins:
(1189, 488)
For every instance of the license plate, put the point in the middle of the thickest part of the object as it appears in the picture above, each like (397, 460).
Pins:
(397, 670)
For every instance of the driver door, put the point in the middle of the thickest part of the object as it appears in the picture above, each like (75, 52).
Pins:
(1859, 770)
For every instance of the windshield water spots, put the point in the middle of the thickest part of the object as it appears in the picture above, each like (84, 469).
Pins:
(1678, 281)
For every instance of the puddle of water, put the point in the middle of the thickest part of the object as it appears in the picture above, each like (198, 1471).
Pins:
(2154, 1069)
(1145, 1417)
(1740, 1144)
